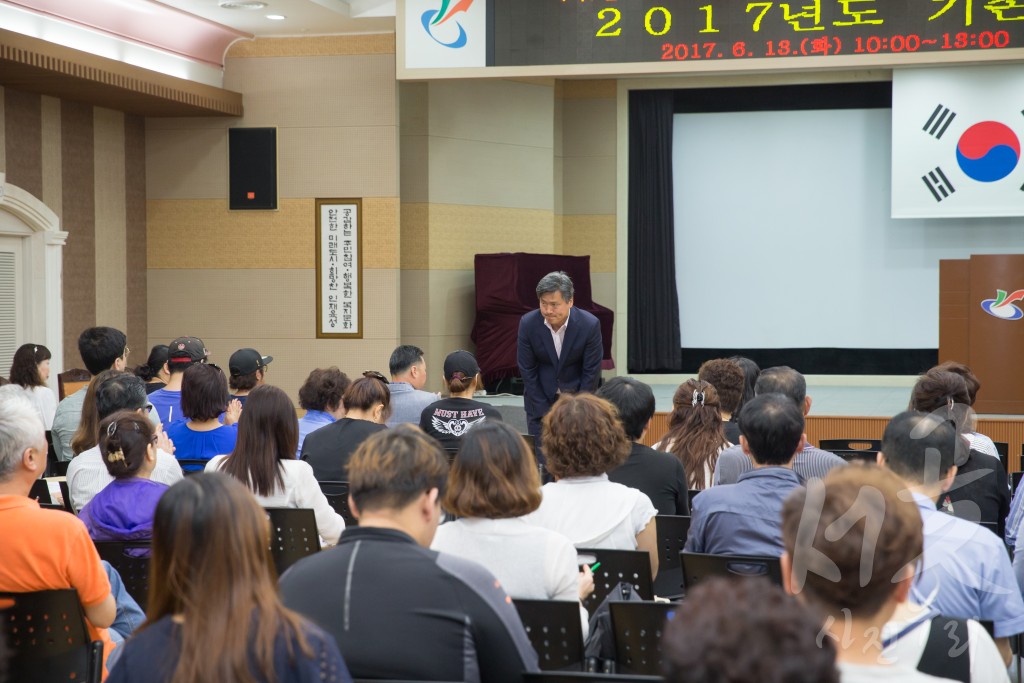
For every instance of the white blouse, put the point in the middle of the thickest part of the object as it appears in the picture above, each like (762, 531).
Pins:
(44, 401)
(301, 490)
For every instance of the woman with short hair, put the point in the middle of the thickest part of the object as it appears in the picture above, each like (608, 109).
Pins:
(214, 609)
(320, 396)
(30, 369)
(263, 459)
(367, 406)
(204, 397)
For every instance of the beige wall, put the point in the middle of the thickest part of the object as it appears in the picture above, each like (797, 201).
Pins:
(247, 278)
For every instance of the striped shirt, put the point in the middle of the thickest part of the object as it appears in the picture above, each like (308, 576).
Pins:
(810, 463)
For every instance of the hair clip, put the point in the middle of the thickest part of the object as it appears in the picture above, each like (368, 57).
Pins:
(116, 455)
(35, 349)
(459, 375)
(698, 398)
(111, 428)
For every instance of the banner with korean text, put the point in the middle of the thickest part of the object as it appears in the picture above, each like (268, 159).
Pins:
(956, 142)
(339, 269)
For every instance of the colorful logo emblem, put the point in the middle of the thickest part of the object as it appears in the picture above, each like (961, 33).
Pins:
(433, 23)
(988, 151)
(1002, 306)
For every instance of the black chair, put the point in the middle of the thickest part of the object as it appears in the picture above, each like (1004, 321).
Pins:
(555, 631)
(48, 639)
(450, 452)
(672, 532)
(699, 566)
(185, 462)
(631, 566)
(133, 567)
(583, 676)
(51, 456)
(1015, 480)
(336, 493)
(850, 445)
(60, 468)
(690, 495)
(40, 492)
(637, 627)
(869, 457)
(293, 535)
(65, 493)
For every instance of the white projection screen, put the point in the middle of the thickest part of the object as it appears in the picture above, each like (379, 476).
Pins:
(784, 240)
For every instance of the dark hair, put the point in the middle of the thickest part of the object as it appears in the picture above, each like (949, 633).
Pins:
(154, 364)
(124, 437)
(211, 563)
(267, 434)
(920, 447)
(494, 475)
(695, 433)
(100, 347)
(557, 281)
(772, 425)
(120, 392)
(784, 380)
(323, 389)
(727, 378)
(583, 437)
(25, 365)
(403, 358)
(849, 537)
(365, 393)
(771, 639)
(244, 382)
(393, 467)
(972, 381)
(87, 435)
(634, 400)
(751, 371)
(204, 392)
(936, 388)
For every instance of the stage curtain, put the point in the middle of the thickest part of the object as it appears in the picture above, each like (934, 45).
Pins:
(653, 321)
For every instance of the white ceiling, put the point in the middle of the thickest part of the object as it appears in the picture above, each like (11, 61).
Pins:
(303, 17)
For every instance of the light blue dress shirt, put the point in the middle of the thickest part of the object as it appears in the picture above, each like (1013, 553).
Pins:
(966, 572)
(310, 422)
(407, 404)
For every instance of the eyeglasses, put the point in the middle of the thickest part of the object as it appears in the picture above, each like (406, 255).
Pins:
(373, 374)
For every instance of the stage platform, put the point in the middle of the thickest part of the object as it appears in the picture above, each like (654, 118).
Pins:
(837, 412)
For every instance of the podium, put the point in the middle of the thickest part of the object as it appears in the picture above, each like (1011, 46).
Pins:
(981, 323)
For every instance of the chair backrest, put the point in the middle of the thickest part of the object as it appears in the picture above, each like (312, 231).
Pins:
(131, 560)
(70, 381)
(850, 445)
(1015, 480)
(699, 566)
(51, 456)
(450, 452)
(631, 566)
(336, 493)
(293, 535)
(40, 492)
(690, 495)
(637, 627)
(190, 467)
(1002, 448)
(48, 639)
(65, 493)
(586, 676)
(870, 457)
(672, 532)
(555, 631)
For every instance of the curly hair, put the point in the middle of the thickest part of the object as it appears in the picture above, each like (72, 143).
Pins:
(772, 639)
(695, 433)
(323, 389)
(25, 365)
(583, 437)
(727, 378)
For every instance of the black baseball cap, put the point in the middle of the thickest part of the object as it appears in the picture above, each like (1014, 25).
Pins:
(460, 361)
(185, 350)
(247, 361)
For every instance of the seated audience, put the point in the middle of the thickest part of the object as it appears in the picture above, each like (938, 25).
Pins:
(695, 435)
(408, 377)
(88, 432)
(728, 380)
(811, 462)
(123, 510)
(214, 610)
(965, 572)
(248, 370)
(852, 542)
(204, 396)
(328, 449)
(101, 348)
(583, 441)
(320, 396)
(397, 609)
(743, 518)
(88, 473)
(44, 549)
(263, 460)
(155, 372)
(660, 476)
(182, 353)
(450, 419)
(979, 442)
(751, 371)
(493, 482)
(30, 370)
(771, 638)
(982, 491)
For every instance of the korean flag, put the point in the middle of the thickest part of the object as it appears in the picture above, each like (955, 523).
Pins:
(956, 142)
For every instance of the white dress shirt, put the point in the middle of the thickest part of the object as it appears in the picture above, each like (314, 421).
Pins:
(557, 336)
(87, 475)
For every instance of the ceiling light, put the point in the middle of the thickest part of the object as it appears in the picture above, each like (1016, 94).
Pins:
(276, 17)
(241, 4)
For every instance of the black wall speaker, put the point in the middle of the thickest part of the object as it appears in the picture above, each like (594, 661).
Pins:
(252, 168)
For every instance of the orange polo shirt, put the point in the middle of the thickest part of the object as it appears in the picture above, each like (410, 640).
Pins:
(49, 549)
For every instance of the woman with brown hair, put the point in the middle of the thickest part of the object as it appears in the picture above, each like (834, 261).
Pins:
(695, 432)
(214, 610)
(583, 441)
(367, 406)
(264, 460)
(87, 434)
(492, 484)
(30, 369)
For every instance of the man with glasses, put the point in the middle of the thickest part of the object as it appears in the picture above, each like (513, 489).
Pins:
(182, 353)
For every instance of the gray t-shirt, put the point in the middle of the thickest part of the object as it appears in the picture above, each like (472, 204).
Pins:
(65, 423)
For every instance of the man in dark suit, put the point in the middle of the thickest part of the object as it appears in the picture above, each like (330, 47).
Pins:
(559, 348)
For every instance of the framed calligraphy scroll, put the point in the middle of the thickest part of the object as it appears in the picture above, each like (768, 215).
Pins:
(339, 269)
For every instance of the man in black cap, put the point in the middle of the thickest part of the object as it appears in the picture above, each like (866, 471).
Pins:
(248, 369)
(182, 353)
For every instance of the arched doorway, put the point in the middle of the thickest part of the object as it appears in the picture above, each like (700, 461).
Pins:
(31, 300)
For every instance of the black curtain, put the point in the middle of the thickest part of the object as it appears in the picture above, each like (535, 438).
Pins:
(653, 321)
